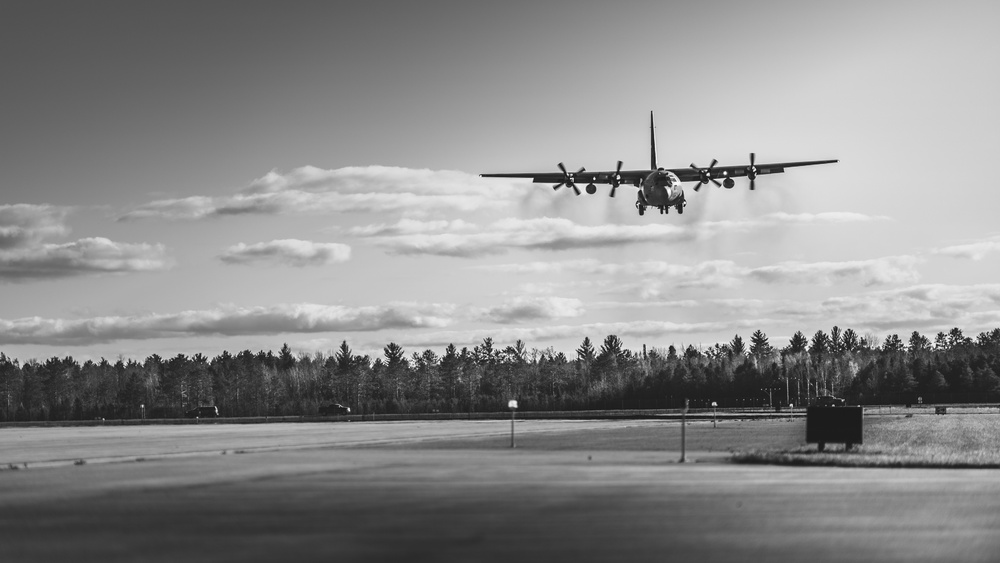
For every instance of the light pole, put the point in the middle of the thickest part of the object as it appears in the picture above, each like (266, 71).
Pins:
(683, 425)
(512, 405)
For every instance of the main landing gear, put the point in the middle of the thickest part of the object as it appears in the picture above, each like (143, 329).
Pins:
(664, 209)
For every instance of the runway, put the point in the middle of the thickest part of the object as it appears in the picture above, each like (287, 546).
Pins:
(466, 497)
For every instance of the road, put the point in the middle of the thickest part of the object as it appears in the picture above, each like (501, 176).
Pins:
(472, 499)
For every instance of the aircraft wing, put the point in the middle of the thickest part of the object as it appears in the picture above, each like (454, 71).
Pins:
(584, 177)
(718, 172)
(636, 176)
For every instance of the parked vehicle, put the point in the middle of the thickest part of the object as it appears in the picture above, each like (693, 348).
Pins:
(203, 412)
(332, 409)
(829, 401)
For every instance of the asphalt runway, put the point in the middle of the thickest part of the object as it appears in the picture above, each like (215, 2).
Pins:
(452, 491)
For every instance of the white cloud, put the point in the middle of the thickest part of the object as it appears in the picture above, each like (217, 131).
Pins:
(652, 277)
(24, 224)
(879, 271)
(544, 233)
(85, 256)
(225, 321)
(531, 308)
(596, 331)
(405, 227)
(292, 252)
(375, 189)
(547, 233)
(973, 251)
(916, 307)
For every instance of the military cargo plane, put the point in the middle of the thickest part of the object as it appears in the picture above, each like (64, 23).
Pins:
(658, 187)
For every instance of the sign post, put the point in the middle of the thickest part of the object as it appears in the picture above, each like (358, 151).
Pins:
(714, 415)
(512, 405)
(683, 425)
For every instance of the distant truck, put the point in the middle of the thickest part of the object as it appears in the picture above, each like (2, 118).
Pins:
(829, 401)
(335, 408)
(203, 412)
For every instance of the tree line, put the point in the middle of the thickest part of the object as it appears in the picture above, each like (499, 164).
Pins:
(862, 369)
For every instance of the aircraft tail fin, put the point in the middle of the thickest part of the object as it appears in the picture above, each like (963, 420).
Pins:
(652, 143)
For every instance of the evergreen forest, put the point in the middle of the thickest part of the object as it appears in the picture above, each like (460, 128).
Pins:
(951, 368)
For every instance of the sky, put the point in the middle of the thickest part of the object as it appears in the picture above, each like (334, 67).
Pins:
(194, 177)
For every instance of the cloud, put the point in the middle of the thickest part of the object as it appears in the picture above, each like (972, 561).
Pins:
(973, 251)
(291, 252)
(85, 256)
(596, 332)
(879, 271)
(406, 227)
(649, 277)
(544, 233)
(531, 308)
(308, 189)
(24, 224)
(225, 321)
(547, 233)
(927, 306)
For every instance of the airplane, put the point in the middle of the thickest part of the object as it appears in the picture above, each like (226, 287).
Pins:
(658, 187)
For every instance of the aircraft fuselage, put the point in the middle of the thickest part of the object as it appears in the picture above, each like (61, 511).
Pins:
(661, 189)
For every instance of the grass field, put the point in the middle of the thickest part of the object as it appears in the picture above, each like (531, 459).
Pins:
(953, 440)
(970, 440)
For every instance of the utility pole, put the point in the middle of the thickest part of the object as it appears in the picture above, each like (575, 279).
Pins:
(683, 425)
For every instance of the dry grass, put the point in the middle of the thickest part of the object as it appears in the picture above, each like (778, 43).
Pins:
(952, 440)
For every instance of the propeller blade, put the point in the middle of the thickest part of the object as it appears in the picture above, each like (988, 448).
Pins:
(575, 189)
(752, 171)
(563, 168)
(557, 186)
(580, 171)
(716, 182)
(616, 179)
(714, 162)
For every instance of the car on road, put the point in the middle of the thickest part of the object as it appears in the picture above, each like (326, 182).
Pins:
(203, 412)
(829, 401)
(335, 408)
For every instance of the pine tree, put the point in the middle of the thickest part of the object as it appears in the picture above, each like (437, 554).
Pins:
(286, 360)
(918, 343)
(798, 343)
(892, 344)
(850, 340)
(836, 341)
(760, 348)
(736, 347)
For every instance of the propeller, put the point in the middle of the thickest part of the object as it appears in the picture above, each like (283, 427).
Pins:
(568, 179)
(752, 171)
(706, 175)
(616, 180)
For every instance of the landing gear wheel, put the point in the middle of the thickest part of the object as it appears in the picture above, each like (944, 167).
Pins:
(680, 209)
(641, 208)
